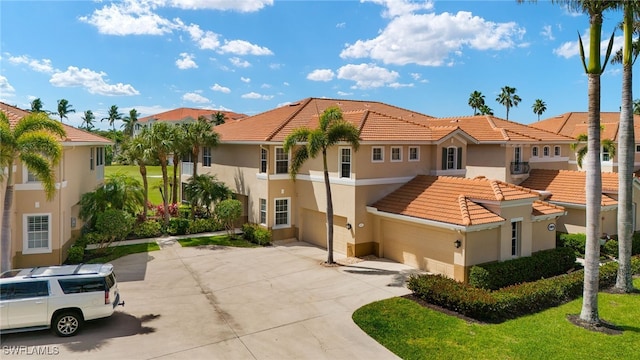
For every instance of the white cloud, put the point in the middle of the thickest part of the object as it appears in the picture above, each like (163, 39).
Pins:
(43, 66)
(343, 93)
(367, 75)
(245, 80)
(570, 49)
(341, 25)
(93, 81)
(255, 95)
(225, 5)
(241, 47)
(430, 39)
(195, 98)
(237, 62)
(397, 85)
(321, 75)
(5, 88)
(206, 40)
(402, 7)
(129, 18)
(220, 88)
(547, 32)
(186, 62)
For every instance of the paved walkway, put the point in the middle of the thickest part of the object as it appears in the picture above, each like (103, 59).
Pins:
(213, 302)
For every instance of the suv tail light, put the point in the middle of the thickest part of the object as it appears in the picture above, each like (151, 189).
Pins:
(106, 297)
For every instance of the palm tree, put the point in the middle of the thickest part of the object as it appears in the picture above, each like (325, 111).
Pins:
(119, 192)
(608, 145)
(218, 118)
(539, 107)
(636, 107)
(204, 190)
(626, 145)
(34, 141)
(129, 122)
(64, 108)
(197, 135)
(161, 142)
(331, 130)
(137, 151)
(485, 110)
(114, 115)
(87, 120)
(508, 98)
(476, 101)
(36, 105)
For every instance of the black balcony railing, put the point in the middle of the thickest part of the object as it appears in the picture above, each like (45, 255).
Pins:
(520, 167)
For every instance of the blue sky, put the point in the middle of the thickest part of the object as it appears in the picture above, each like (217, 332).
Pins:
(250, 56)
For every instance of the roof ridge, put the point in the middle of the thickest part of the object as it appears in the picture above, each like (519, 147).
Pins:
(496, 190)
(464, 210)
(284, 123)
(549, 204)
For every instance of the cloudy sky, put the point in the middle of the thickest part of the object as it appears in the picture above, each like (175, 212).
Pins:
(250, 56)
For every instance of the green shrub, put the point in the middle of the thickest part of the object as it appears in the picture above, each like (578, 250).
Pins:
(91, 238)
(256, 234)
(542, 264)
(114, 224)
(75, 254)
(509, 302)
(227, 212)
(576, 242)
(178, 226)
(200, 225)
(610, 248)
(184, 211)
(248, 231)
(635, 244)
(147, 229)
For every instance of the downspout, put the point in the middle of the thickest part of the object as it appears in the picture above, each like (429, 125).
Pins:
(61, 221)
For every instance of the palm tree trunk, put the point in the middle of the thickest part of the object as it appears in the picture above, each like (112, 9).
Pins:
(145, 183)
(327, 186)
(174, 190)
(6, 226)
(626, 159)
(589, 312)
(165, 185)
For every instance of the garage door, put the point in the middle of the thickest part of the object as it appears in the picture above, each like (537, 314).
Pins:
(314, 230)
(418, 247)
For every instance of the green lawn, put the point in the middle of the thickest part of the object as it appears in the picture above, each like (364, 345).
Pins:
(414, 332)
(154, 176)
(115, 252)
(220, 240)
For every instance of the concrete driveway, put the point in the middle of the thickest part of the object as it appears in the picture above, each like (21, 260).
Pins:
(230, 303)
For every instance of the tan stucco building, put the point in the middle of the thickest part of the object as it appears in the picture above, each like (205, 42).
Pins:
(42, 231)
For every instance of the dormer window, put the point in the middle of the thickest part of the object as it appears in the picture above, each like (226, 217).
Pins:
(451, 158)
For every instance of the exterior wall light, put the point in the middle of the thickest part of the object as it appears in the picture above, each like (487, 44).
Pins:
(348, 226)
(457, 244)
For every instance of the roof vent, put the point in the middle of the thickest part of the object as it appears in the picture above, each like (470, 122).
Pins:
(294, 104)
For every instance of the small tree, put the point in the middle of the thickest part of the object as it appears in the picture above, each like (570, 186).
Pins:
(227, 212)
(115, 225)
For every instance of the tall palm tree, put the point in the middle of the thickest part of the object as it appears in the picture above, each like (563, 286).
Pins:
(113, 115)
(161, 143)
(476, 101)
(88, 119)
(129, 122)
(485, 110)
(119, 192)
(137, 151)
(36, 105)
(539, 107)
(64, 108)
(508, 98)
(332, 129)
(34, 141)
(626, 145)
(608, 145)
(197, 135)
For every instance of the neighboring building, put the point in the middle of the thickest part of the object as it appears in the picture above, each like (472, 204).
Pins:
(567, 188)
(573, 124)
(41, 230)
(396, 146)
(183, 115)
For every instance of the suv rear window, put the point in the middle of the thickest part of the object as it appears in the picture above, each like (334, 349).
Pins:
(74, 286)
(110, 280)
(24, 290)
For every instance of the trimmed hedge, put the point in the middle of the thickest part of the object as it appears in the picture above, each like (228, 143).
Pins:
(539, 265)
(512, 301)
(574, 241)
(256, 234)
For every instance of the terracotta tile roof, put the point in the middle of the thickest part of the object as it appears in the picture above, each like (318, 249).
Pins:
(541, 208)
(183, 113)
(487, 128)
(567, 186)
(74, 135)
(375, 119)
(456, 200)
(573, 124)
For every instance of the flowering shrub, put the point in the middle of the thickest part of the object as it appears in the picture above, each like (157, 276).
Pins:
(173, 210)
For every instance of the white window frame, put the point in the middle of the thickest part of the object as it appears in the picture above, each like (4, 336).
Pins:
(535, 152)
(99, 156)
(275, 213)
(452, 164)
(373, 151)
(206, 155)
(263, 211)
(399, 148)
(516, 237)
(556, 151)
(275, 157)
(417, 149)
(546, 151)
(25, 237)
(341, 162)
(92, 159)
(603, 152)
(264, 160)
(638, 148)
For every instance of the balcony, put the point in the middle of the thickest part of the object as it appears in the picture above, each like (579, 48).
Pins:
(519, 168)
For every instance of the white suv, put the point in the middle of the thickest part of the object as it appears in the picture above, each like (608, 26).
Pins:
(57, 297)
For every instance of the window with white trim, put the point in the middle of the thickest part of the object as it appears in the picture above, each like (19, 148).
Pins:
(206, 156)
(606, 156)
(91, 159)
(100, 156)
(545, 151)
(263, 160)
(37, 233)
(263, 211)
(556, 151)
(638, 148)
(534, 151)
(377, 154)
(515, 237)
(451, 158)
(282, 213)
(345, 162)
(396, 153)
(414, 153)
(282, 161)
(31, 177)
